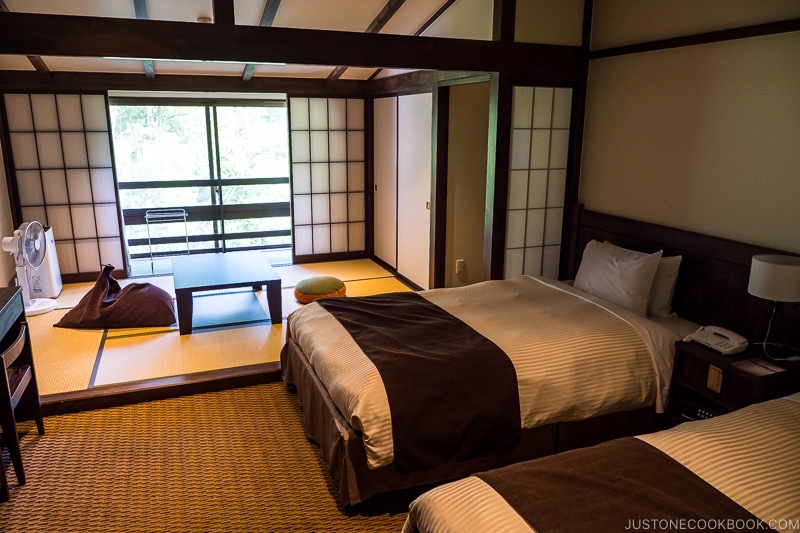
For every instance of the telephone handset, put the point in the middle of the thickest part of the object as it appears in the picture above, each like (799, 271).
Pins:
(723, 340)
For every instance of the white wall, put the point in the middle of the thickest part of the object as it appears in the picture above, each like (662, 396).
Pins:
(6, 227)
(704, 138)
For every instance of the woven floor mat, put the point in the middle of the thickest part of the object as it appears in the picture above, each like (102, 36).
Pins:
(233, 461)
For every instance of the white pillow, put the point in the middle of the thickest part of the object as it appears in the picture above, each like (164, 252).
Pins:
(618, 275)
(660, 302)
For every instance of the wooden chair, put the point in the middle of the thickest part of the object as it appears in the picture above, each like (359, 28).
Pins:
(19, 395)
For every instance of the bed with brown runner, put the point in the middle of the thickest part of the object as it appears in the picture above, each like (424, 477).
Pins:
(498, 375)
(735, 472)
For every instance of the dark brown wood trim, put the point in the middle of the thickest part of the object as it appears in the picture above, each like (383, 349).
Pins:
(758, 30)
(223, 12)
(267, 18)
(37, 34)
(393, 271)
(498, 165)
(586, 34)
(159, 389)
(441, 130)
(40, 66)
(72, 82)
(337, 256)
(504, 19)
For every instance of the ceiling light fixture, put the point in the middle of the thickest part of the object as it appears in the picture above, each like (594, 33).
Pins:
(203, 19)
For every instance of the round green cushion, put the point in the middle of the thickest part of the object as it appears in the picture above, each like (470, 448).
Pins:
(310, 289)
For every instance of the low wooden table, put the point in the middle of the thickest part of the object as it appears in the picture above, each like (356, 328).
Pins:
(208, 272)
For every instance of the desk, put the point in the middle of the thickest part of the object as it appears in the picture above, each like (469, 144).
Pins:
(207, 272)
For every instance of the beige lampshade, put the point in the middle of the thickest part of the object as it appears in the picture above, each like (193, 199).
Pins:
(775, 277)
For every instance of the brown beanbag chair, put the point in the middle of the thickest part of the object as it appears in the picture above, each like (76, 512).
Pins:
(108, 305)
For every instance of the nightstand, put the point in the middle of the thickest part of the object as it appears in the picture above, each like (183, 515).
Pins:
(706, 383)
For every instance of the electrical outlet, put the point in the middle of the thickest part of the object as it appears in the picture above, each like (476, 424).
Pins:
(460, 266)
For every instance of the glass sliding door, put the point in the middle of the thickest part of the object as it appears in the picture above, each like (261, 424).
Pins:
(224, 164)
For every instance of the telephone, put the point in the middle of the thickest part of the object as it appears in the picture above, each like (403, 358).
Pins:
(720, 339)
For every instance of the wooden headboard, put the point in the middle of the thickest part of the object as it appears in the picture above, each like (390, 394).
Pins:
(713, 278)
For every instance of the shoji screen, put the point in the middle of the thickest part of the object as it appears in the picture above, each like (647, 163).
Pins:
(64, 175)
(385, 178)
(327, 175)
(539, 146)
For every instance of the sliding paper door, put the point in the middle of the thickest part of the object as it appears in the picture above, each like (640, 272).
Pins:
(328, 175)
(385, 178)
(63, 165)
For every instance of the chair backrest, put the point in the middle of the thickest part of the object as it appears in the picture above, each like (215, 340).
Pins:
(13, 351)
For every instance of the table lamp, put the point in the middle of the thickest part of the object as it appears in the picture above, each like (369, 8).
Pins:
(777, 278)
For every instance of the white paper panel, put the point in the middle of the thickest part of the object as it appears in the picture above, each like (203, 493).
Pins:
(534, 227)
(49, 145)
(523, 107)
(540, 148)
(338, 145)
(301, 149)
(537, 189)
(319, 146)
(79, 186)
(83, 221)
(338, 175)
(302, 210)
(515, 229)
(29, 185)
(320, 209)
(337, 114)
(550, 261)
(94, 112)
(357, 236)
(99, 150)
(322, 239)
(562, 103)
(355, 176)
(520, 149)
(553, 226)
(385, 172)
(74, 150)
(355, 206)
(67, 263)
(355, 114)
(18, 112)
(70, 117)
(518, 189)
(318, 113)
(103, 188)
(555, 191)
(301, 178)
(24, 149)
(542, 107)
(88, 256)
(37, 213)
(58, 217)
(339, 238)
(558, 148)
(299, 113)
(55, 187)
(320, 181)
(45, 117)
(533, 262)
(107, 220)
(355, 145)
(514, 263)
(338, 207)
(302, 239)
(111, 252)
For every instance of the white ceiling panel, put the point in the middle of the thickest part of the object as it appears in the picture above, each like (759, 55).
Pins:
(357, 73)
(386, 73)
(9, 62)
(466, 19)
(342, 15)
(179, 10)
(198, 67)
(248, 12)
(86, 8)
(292, 71)
(93, 64)
(411, 16)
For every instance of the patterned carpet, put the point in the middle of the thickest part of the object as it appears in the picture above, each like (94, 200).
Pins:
(233, 461)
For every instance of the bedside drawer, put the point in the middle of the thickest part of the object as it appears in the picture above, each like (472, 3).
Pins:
(728, 387)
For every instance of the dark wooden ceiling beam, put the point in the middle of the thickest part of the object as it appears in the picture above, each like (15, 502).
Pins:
(504, 20)
(223, 12)
(267, 18)
(20, 81)
(37, 62)
(35, 34)
(140, 7)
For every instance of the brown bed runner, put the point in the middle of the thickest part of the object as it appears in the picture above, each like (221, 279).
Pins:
(621, 485)
(452, 392)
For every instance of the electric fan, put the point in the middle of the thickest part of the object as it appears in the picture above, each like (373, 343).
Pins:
(28, 246)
